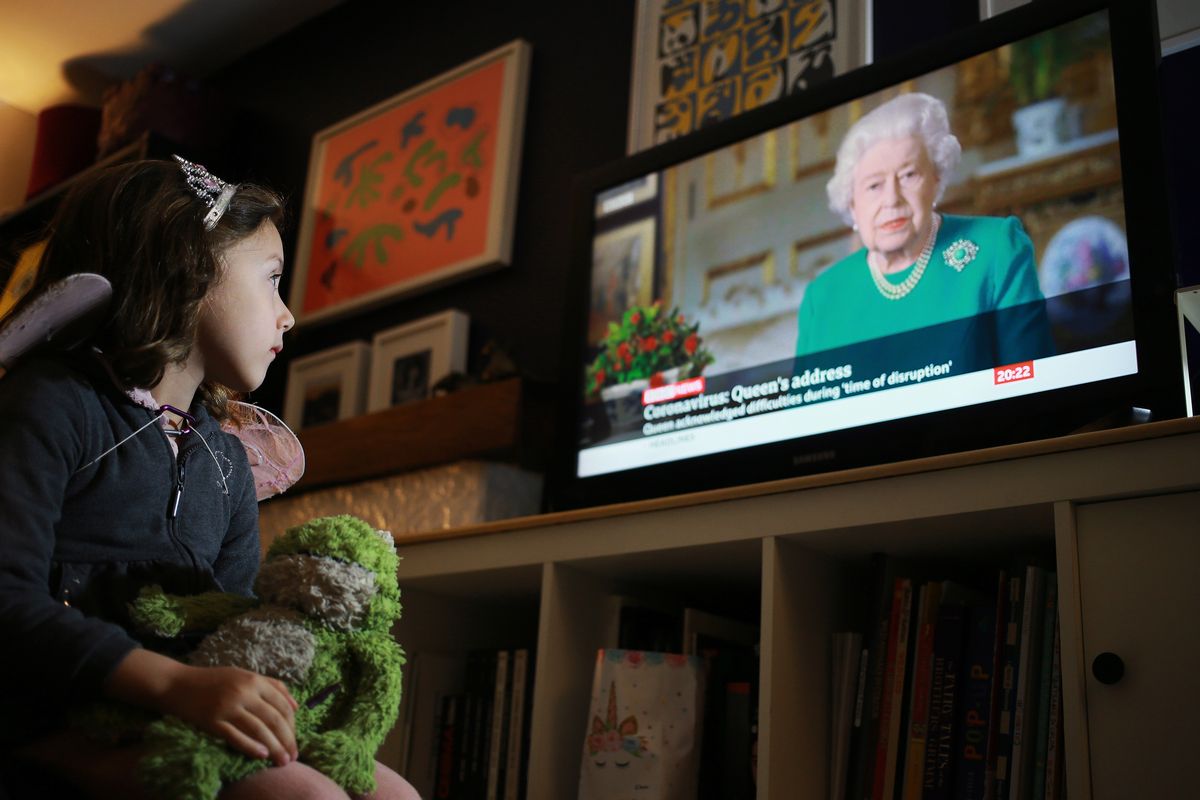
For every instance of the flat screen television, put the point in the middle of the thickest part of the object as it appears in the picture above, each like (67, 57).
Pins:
(961, 248)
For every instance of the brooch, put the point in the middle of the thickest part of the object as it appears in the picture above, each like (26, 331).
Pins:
(960, 253)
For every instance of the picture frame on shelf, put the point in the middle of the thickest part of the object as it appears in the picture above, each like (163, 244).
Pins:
(415, 191)
(407, 360)
(327, 386)
(696, 63)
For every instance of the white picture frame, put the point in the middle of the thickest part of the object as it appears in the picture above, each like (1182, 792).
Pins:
(327, 386)
(426, 350)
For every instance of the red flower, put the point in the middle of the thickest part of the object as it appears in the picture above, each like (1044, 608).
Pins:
(649, 343)
(623, 350)
(680, 319)
(656, 380)
(635, 317)
(690, 344)
(668, 337)
(600, 377)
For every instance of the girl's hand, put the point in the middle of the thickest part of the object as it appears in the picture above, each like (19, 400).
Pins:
(252, 713)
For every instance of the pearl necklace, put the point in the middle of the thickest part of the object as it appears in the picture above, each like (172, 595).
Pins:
(895, 291)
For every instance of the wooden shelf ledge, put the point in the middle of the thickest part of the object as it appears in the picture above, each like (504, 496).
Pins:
(477, 421)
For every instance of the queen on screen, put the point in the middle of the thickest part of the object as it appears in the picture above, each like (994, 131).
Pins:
(973, 277)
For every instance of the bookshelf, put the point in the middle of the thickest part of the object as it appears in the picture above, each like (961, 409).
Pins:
(793, 553)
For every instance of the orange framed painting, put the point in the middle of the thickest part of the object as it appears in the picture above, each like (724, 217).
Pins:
(414, 192)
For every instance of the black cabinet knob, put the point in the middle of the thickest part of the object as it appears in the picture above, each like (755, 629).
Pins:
(1108, 668)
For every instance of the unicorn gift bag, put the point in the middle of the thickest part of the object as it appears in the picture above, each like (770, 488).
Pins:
(644, 728)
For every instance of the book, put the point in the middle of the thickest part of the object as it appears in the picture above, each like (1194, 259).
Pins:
(516, 739)
(928, 601)
(728, 648)
(1006, 702)
(998, 640)
(973, 717)
(887, 744)
(736, 776)
(938, 773)
(883, 571)
(1049, 624)
(476, 735)
(1054, 739)
(856, 729)
(462, 743)
(847, 657)
(1025, 710)
(497, 723)
(447, 740)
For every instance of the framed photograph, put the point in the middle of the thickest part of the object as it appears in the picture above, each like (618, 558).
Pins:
(406, 361)
(696, 62)
(414, 192)
(327, 386)
(622, 274)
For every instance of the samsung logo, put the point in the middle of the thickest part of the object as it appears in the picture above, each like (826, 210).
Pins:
(813, 458)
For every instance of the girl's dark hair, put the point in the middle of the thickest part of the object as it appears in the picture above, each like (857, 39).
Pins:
(141, 226)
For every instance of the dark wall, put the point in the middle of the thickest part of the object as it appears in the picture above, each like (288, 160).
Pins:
(364, 52)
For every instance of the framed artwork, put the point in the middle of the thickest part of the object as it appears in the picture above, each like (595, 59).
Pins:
(622, 274)
(406, 361)
(697, 62)
(326, 386)
(415, 191)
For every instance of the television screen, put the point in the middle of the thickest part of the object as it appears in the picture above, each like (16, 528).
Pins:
(944, 251)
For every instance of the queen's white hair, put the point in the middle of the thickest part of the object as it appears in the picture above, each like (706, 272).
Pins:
(913, 114)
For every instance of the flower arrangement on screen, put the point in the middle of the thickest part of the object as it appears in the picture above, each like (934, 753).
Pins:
(647, 342)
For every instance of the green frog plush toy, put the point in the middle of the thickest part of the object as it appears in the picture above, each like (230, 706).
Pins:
(327, 599)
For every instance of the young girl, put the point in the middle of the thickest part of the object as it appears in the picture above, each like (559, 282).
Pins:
(116, 475)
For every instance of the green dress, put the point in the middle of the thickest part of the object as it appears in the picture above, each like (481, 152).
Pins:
(977, 305)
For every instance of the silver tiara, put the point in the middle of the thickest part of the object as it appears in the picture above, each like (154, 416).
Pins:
(215, 192)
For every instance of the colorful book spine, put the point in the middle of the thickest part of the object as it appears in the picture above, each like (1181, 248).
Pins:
(886, 747)
(1054, 741)
(1046, 671)
(480, 689)
(1025, 713)
(497, 724)
(928, 600)
(446, 756)
(847, 649)
(1007, 701)
(974, 712)
(938, 775)
(516, 725)
(998, 641)
(884, 570)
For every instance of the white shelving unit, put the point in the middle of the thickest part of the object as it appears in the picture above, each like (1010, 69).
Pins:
(793, 553)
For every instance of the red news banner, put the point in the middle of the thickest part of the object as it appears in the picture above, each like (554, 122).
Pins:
(673, 391)
(1013, 372)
